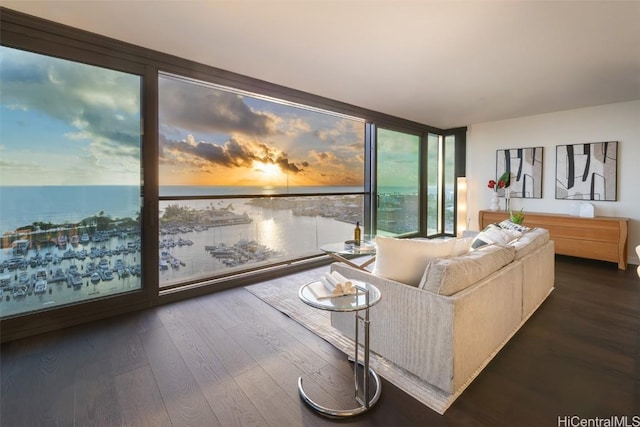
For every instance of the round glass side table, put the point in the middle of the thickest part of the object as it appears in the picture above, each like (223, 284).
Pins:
(338, 251)
(365, 297)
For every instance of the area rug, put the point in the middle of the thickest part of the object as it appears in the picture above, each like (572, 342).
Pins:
(282, 294)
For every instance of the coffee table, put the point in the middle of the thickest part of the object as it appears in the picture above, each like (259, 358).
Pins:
(338, 251)
(366, 296)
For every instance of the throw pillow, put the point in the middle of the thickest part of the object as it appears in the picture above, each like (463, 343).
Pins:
(494, 235)
(507, 224)
(462, 246)
(404, 260)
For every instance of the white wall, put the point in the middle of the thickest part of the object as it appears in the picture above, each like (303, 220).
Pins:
(613, 122)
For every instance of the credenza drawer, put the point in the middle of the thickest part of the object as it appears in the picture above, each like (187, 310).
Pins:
(586, 249)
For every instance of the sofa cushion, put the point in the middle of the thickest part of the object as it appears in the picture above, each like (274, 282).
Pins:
(404, 260)
(494, 235)
(530, 241)
(446, 276)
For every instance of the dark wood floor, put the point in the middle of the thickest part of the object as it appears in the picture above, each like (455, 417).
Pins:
(228, 359)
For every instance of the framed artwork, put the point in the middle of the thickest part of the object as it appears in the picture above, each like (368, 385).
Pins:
(525, 166)
(587, 171)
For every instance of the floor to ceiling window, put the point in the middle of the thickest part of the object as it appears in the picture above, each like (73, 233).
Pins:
(449, 183)
(248, 181)
(70, 198)
(397, 175)
(403, 160)
(441, 179)
(434, 185)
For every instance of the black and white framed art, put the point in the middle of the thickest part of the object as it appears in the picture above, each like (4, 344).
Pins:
(587, 171)
(525, 166)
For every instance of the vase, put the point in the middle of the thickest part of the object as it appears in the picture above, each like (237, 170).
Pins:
(495, 202)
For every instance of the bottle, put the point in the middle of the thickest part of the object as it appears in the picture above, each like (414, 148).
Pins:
(356, 234)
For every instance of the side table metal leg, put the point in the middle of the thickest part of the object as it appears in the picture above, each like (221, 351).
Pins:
(343, 413)
(367, 373)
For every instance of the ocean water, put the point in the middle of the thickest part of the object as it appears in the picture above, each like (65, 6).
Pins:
(23, 205)
(20, 206)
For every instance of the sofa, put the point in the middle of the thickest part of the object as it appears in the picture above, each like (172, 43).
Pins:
(449, 325)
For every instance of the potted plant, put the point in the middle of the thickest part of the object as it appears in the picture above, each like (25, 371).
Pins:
(517, 217)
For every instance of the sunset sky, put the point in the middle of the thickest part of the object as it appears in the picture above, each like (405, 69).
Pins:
(65, 123)
(213, 137)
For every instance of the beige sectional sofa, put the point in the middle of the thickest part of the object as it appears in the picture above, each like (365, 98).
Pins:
(447, 329)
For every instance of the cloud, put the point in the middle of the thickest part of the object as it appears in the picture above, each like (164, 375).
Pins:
(98, 102)
(294, 126)
(234, 153)
(342, 132)
(323, 157)
(199, 108)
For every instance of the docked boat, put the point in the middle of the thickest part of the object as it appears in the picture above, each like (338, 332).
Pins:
(74, 280)
(84, 238)
(95, 278)
(58, 275)
(5, 281)
(20, 291)
(73, 270)
(40, 287)
(20, 247)
(75, 240)
(106, 275)
(41, 274)
(23, 279)
(62, 241)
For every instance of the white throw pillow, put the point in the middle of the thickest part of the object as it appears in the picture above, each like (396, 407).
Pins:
(462, 246)
(494, 235)
(404, 260)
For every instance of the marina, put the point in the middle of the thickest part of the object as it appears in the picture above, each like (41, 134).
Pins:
(37, 273)
(66, 272)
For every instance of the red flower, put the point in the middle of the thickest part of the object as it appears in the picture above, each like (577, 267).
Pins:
(496, 185)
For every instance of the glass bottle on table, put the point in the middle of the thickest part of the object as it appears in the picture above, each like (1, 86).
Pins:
(357, 234)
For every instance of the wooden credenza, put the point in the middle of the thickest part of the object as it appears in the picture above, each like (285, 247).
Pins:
(602, 238)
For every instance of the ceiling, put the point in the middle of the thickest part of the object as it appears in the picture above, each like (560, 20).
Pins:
(441, 63)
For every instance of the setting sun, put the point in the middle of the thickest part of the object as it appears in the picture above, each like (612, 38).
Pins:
(269, 170)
